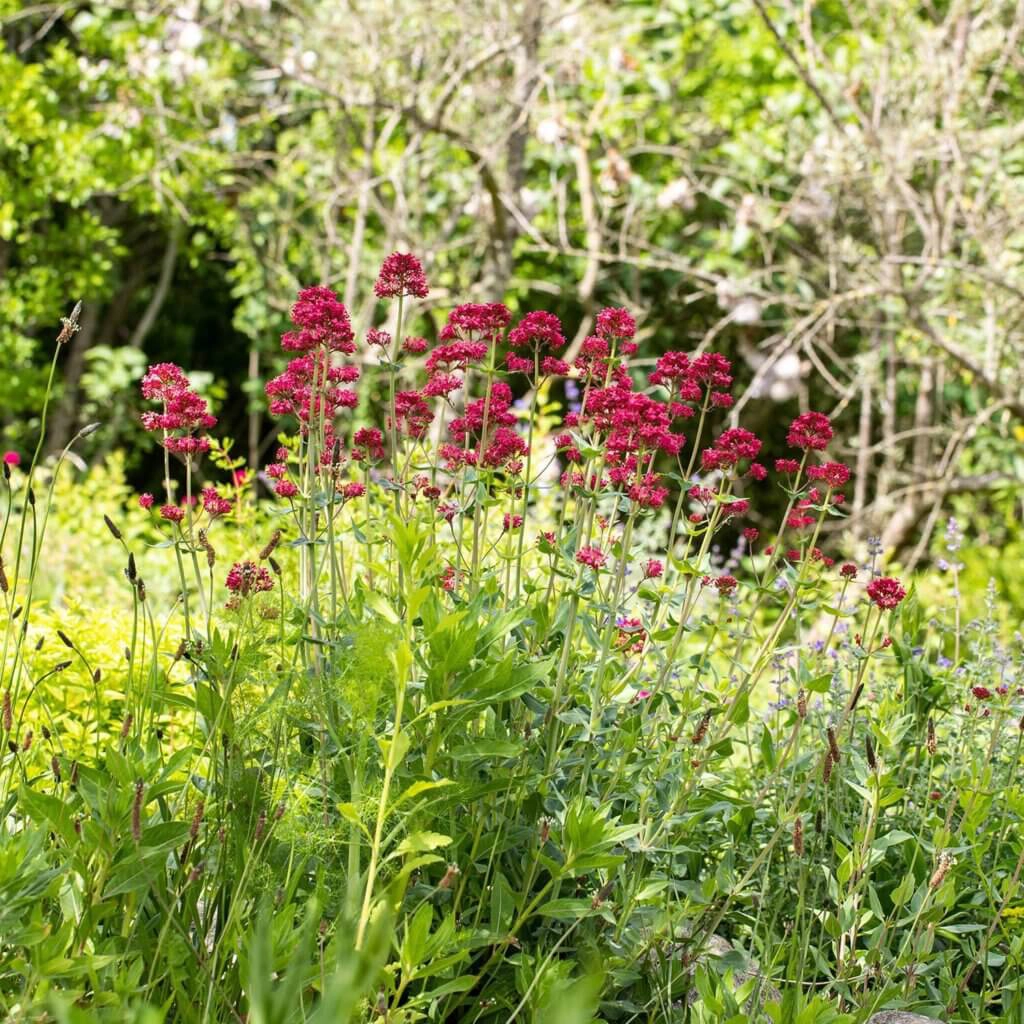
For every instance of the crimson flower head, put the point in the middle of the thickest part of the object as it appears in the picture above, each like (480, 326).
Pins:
(537, 330)
(12, 459)
(412, 413)
(835, 474)
(401, 274)
(848, 570)
(592, 557)
(476, 321)
(886, 592)
(981, 692)
(146, 500)
(322, 321)
(375, 336)
(725, 585)
(214, 504)
(729, 448)
(615, 323)
(810, 431)
(172, 513)
(312, 384)
(245, 578)
(183, 411)
(369, 445)
(653, 569)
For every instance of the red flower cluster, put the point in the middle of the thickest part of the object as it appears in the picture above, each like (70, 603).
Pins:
(183, 413)
(401, 274)
(592, 557)
(476, 321)
(833, 474)
(706, 379)
(311, 386)
(322, 321)
(213, 504)
(886, 592)
(245, 578)
(729, 449)
(540, 334)
(810, 431)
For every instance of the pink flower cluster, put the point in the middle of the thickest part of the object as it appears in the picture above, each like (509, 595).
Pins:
(245, 578)
(401, 274)
(183, 410)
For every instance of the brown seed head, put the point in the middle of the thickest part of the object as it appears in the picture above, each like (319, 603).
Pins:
(702, 729)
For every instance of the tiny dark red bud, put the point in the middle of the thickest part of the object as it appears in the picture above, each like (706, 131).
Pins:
(126, 726)
(261, 825)
(55, 768)
(26, 744)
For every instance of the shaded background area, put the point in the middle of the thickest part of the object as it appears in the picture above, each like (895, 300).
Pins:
(831, 195)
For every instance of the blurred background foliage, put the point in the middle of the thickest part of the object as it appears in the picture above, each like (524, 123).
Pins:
(829, 193)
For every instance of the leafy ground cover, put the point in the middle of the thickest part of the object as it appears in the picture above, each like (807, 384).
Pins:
(495, 711)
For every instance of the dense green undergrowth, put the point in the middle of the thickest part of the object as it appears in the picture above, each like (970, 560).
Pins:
(374, 751)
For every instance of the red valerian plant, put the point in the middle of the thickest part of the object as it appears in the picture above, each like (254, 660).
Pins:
(453, 448)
